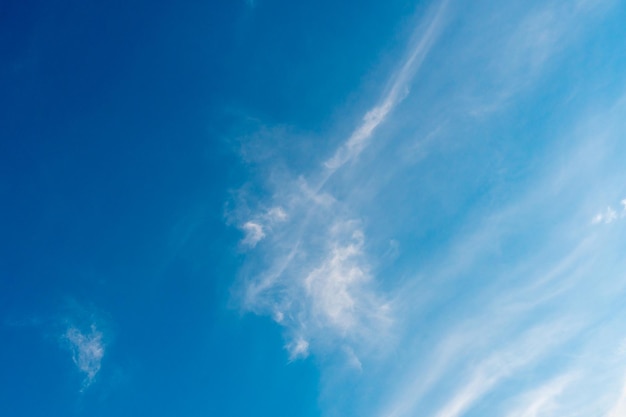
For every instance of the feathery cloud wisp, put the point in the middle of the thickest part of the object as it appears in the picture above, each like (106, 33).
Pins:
(318, 283)
(426, 35)
(610, 214)
(87, 351)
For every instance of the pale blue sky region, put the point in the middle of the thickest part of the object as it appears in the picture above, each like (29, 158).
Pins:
(272, 208)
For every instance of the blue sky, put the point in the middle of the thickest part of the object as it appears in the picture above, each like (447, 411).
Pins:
(377, 209)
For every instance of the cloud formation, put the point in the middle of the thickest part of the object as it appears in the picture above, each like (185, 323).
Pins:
(254, 233)
(425, 36)
(318, 283)
(497, 297)
(610, 214)
(87, 349)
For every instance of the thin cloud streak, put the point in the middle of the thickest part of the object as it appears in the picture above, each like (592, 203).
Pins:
(619, 408)
(543, 401)
(559, 283)
(494, 369)
(426, 37)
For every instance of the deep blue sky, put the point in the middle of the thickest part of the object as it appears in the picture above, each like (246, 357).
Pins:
(115, 168)
(284, 208)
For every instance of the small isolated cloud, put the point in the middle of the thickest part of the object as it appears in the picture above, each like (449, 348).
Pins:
(87, 349)
(609, 215)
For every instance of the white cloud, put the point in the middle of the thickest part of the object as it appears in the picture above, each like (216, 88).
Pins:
(326, 296)
(254, 233)
(298, 348)
(606, 217)
(542, 401)
(318, 283)
(425, 35)
(610, 214)
(277, 214)
(521, 353)
(255, 229)
(87, 349)
(619, 408)
(331, 285)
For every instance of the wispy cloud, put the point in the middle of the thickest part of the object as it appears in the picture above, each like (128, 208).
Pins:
(76, 330)
(87, 347)
(557, 277)
(619, 408)
(501, 364)
(425, 36)
(497, 295)
(542, 401)
(254, 233)
(298, 348)
(610, 214)
(318, 282)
